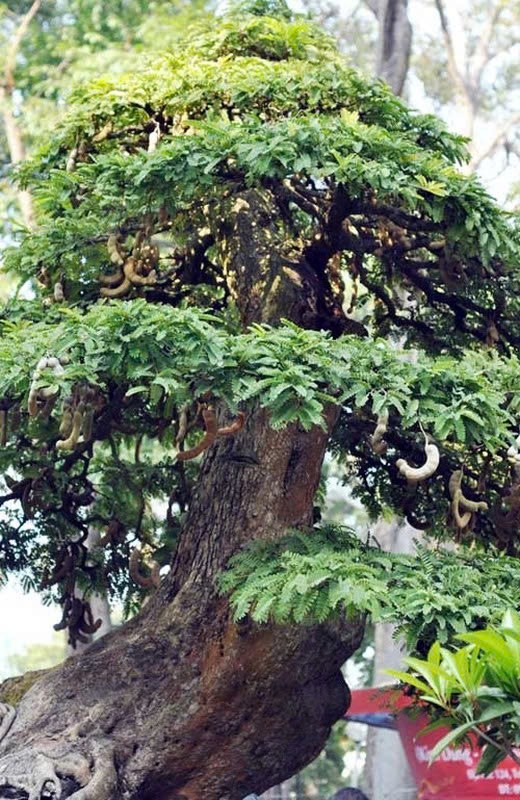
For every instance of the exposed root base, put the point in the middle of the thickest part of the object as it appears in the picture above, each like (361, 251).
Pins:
(7, 715)
(36, 776)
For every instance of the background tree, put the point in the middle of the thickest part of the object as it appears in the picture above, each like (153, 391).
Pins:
(195, 220)
(38, 656)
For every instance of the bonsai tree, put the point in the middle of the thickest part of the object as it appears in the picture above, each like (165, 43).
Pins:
(247, 256)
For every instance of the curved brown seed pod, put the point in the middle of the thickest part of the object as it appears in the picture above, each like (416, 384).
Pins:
(183, 425)
(472, 505)
(3, 427)
(43, 277)
(377, 442)
(114, 250)
(61, 570)
(155, 573)
(86, 623)
(72, 440)
(66, 420)
(210, 422)
(146, 581)
(234, 427)
(87, 423)
(418, 474)
(113, 279)
(153, 139)
(59, 295)
(461, 520)
(138, 241)
(62, 624)
(103, 133)
(117, 291)
(459, 501)
(32, 403)
(71, 160)
(437, 245)
(131, 274)
(114, 533)
(76, 612)
(43, 393)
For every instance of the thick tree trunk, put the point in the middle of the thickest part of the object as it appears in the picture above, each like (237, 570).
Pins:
(186, 702)
(182, 702)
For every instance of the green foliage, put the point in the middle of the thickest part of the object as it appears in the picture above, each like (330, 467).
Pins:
(148, 360)
(242, 94)
(166, 147)
(474, 688)
(152, 350)
(327, 572)
(68, 43)
(271, 8)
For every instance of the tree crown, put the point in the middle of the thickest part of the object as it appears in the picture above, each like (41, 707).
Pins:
(141, 317)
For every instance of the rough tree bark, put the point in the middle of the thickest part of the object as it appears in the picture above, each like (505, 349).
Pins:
(182, 702)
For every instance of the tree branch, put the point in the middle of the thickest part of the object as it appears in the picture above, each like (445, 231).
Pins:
(481, 54)
(455, 66)
(499, 137)
(15, 45)
(373, 5)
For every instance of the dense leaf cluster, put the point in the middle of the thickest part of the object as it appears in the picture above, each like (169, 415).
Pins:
(327, 572)
(150, 350)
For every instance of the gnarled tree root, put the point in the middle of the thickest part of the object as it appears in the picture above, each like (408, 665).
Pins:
(7, 715)
(36, 776)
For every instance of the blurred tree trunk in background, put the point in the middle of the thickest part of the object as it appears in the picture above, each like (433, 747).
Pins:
(387, 776)
(394, 41)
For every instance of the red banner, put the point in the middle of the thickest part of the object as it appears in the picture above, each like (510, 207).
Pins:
(452, 776)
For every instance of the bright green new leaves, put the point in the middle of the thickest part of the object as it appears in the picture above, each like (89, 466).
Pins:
(474, 689)
(327, 572)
